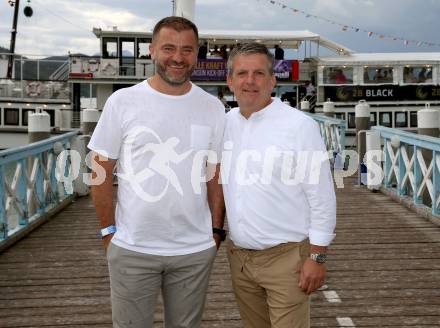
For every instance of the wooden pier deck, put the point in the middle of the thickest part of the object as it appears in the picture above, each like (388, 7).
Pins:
(383, 271)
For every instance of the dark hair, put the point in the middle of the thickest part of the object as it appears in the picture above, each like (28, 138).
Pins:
(251, 49)
(176, 23)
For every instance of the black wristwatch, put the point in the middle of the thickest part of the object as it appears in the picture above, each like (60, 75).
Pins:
(220, 232)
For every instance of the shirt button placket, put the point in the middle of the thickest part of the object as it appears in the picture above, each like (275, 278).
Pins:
(239, 190)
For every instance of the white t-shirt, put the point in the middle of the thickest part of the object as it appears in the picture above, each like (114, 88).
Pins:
(272, 193)
(160, 143)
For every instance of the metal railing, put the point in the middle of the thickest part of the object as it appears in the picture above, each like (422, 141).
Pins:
(35, 78)
(32, 67)
(32, 182)
(411, 166)
(332, 131)
(61, 73)
(28, 90)
(81, 67)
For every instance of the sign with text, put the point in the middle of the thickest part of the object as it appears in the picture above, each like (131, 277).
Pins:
(286, 70)
(210, 70)
(216, 70)
(382, 93)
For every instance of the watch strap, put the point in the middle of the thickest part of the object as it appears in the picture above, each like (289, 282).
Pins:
(108, 230)
(220, 232)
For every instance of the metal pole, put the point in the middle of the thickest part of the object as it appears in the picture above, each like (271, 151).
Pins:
(13, 34)
(21, 76)
(297, 97)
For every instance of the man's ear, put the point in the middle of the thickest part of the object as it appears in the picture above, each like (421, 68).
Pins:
(229, 82)
(152, 51)
(274, 81)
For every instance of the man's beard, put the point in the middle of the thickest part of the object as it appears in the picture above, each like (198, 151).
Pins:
(161, 70)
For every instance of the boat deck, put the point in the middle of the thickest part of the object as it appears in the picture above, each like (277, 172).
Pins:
(383, 271)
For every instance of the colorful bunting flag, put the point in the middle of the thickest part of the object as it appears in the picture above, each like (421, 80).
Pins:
(345, 27)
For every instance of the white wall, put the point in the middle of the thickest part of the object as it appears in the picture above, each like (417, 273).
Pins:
(103, 91)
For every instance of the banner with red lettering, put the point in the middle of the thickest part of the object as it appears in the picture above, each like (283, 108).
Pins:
(210, 70)
(216, 70)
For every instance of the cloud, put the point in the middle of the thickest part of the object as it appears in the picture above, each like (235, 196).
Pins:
(61, 25)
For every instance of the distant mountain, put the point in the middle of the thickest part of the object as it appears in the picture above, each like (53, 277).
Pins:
(57, 58)
(79, 55)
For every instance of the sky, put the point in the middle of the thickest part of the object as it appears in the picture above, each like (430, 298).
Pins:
(59, 26)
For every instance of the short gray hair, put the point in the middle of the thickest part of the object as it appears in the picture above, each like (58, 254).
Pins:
(251, 49)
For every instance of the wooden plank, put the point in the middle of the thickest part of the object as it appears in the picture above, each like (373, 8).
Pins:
(384, 266)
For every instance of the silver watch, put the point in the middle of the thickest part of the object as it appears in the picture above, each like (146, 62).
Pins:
(318, 257)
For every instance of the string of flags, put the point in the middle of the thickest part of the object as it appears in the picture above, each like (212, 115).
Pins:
(346, 27)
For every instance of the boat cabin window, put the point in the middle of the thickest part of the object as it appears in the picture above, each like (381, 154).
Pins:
(338, 75)
(400, 120)
(25, 116)
(417, 74)
(340, 116)
(373, 119)
(109, 47)
(412, 119)
(374, 75)
(11, 116)
(351, 121)
(143, 48)
(385, 119)
(126, 56)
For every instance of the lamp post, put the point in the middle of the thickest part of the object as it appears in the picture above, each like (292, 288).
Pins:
(28, 12)
(16, 4)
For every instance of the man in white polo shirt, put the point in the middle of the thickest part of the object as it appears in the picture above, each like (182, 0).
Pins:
(168, 220)
(279, 197)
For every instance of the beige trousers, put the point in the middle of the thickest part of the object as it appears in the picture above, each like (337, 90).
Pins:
(136, 280)
(266, 285)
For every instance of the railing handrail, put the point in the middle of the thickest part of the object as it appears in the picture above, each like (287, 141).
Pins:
(418, 140)
(329, 120)
(332, 131)
(10, 155)
(26, 56)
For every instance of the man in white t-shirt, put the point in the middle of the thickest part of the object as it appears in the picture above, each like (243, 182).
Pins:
(279, 197)
(164, 137)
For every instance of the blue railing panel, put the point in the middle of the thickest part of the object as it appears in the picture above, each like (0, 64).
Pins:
(332, 131)
(28, 183)
(411, 165)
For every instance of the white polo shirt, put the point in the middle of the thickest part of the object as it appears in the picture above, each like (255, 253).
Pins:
(158, 140)
(277, 186)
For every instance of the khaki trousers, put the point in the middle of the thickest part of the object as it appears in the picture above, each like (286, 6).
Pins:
(136, 280)
(266, 285)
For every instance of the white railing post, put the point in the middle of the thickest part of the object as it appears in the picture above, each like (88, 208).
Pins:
(79, 145)
(373, 160)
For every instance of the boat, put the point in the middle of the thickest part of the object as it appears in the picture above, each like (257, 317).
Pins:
(395, 85)
(125, 60)
(37, 82)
